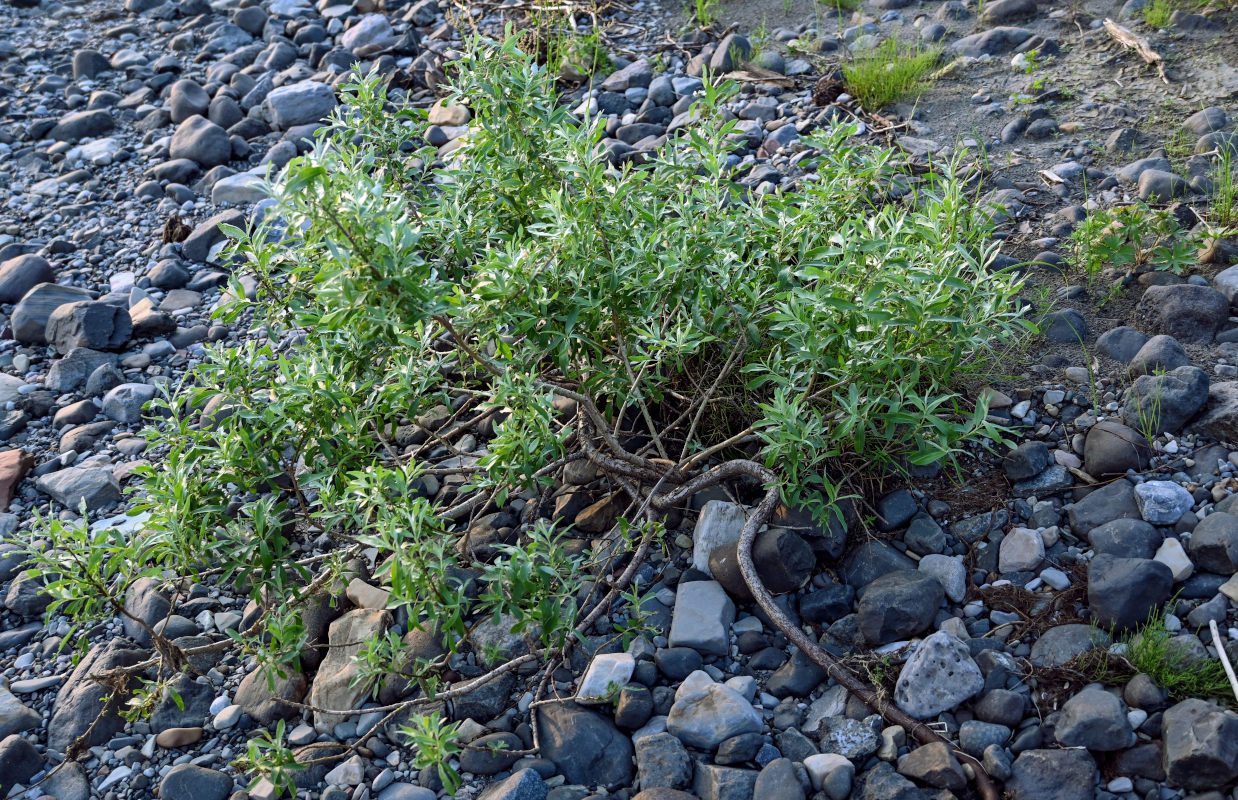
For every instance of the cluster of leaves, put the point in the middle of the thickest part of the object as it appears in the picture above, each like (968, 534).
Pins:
(1133, 237)
(389, 283)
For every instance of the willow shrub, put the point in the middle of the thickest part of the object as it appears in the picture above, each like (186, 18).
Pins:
(849, 309)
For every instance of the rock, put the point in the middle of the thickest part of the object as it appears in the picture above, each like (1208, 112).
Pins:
(723, 783)
(883, 783)
(797, 677)
(778, 781)
(939, 675)
(240, 189)
(1200, 745)
(1162, 502)
(1008, 11)
(187, 99)
(1214, 544)
(201, 141)
(897, 605)
(950, 572)
(82, 125)
(1061, 643)
(1094, 719)
(1123, 591)
(830, 773)
(19, 761)
(497, 756)
(585, 746)
(1159, 185)
(732, 51)
(14, 465)
(1121, 344)
(1053, 775)
(91, 324)
(707, 716)
(94, 486)
(1113, 501)
(207, 234)
(1219, 419)
(300, 104)
(1187, 312)
(29, 318)
(69, 782)
(147, 603)
(368, 30)
(1160, 354)
(16, 716)
(870, 560)
(334, 686)
(185, 701)
(607, 674)
(783, 560)
(124, 403)
(190, 782)
(662, 762)
(1128, 538)
(720, 523)
(993, 42)
(935, 765)
(179, 737)
(702, 618)
(89, 64)
(895, 510)
(1021, 550)
(21, 274)
(853, 739)
(1026, 461)
(1131, 172)
(1066, 326)
(1112, 448)
(80, 700)
(72, 371)
(525, 784)
(261, 701)
(1206, 121)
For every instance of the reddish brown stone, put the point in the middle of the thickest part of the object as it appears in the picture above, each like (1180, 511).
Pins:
(14, 464)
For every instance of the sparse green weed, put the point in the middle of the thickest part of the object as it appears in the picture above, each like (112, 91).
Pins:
(1157, 13)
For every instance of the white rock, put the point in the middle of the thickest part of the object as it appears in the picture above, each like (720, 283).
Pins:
(227, 718)
(1022, 549)
(1172, 555)
(114, 777)
(746, 685)
(949, 571)
(240, 189)
(350, 773)
(607, 674)
(720, 524)
(938, 676)
(220, 703)
(830, 770)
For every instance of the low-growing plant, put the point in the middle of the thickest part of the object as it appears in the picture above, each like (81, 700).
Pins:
(891, 71)
(1157, 13)
(1150, 649)
(827, 330)
(1223, 210)
(1136, 236)
(435, 742)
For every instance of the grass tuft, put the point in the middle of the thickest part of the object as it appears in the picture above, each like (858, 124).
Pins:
(889, 72)
(1157, 13)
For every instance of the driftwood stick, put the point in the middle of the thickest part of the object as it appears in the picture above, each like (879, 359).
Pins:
(1229, 668)
(1137, 43)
